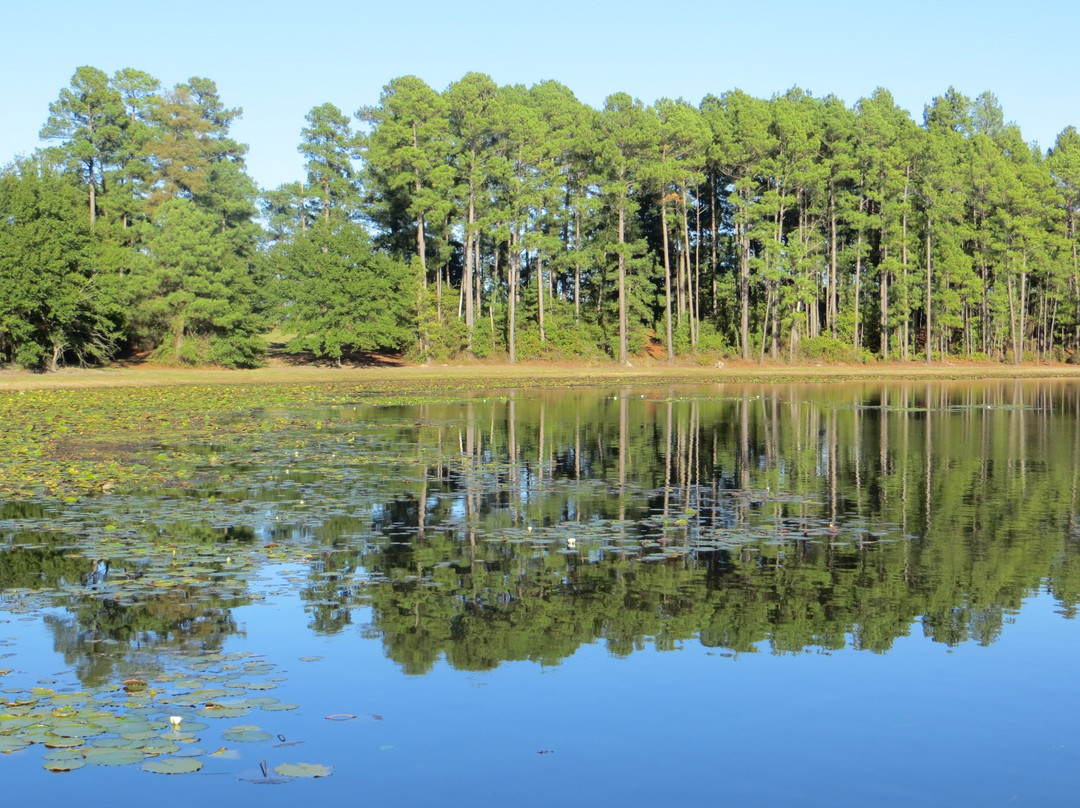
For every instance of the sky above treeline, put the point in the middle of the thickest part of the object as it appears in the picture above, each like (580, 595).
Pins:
(277, 60)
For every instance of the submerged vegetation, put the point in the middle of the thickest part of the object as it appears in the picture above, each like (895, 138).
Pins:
(511, 222)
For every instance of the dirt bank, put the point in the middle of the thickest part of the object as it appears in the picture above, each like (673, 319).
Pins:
(148, 375)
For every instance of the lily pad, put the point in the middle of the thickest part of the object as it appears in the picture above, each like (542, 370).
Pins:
(159, 746)
(114, 743)
(63, 765)
(64, 743)
(173, 765)
(10, 723)
(36, 735)
(105, 756)
(76, 730)
(304, 770)
(12, 744)
(255, 685)
(197, 696)
(261, 701)
(63, 754)
(222, 711)
(246, 734)
(144, 735)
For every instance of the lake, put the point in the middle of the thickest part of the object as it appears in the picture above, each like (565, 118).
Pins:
(830, 594)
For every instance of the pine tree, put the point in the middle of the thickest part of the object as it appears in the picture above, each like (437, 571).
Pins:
(329, 145)
(89, 118)
(630, 135)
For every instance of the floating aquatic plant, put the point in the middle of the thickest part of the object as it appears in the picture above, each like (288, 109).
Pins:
(303, 770)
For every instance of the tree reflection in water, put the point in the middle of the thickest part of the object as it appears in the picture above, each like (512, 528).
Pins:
(745, 518)
(778, 517)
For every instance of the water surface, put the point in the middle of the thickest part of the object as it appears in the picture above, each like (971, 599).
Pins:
(834, 594)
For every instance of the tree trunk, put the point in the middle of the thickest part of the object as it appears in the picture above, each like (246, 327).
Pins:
(1012, 319)
(690, 309)
(929, 277)
(478, 278)
(511, 282)
(667, 279)
(765, 324)
(856, 338)
(905, 351)
(622, 283)
(1023, 309)
(421, 242)
(744, 278)
(467, 276)
(831, 305)
(695, 298)
(577, 267)
(93, 196)
(884, 325)
(540, 293)
(712, 242)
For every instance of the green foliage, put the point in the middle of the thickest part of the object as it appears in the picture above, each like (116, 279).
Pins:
(329, 145)
(446, 340)
(711, 346)
(200, 291)
(89, 117)
(828, 349)
(407, 176)
(680, 337)
(56, 303)
(780, 220)
(573, 339)
(337, 295)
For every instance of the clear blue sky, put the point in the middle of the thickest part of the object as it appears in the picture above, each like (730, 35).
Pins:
(277, 60)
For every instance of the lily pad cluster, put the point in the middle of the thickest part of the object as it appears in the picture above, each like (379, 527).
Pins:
(156, 722)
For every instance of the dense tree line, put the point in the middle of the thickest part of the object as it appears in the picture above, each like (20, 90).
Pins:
(517, 222)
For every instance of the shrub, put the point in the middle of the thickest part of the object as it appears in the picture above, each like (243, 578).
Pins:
(711, 344)
(830, 349)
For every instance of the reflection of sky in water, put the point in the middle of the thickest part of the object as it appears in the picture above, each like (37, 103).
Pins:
(922, 725)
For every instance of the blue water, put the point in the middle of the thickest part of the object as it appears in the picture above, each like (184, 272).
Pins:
(921, 725)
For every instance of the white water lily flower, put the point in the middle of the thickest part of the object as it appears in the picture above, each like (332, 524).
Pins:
(175, 720)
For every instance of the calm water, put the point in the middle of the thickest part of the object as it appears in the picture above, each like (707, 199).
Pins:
(835, 594)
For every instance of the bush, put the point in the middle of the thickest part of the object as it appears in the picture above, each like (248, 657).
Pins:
(1010, 356)
(711, 345)
(638, 338)
(830, 349)
(570, 339)
(527, 343)
(448, 339)
(482, 343)
(230, 351)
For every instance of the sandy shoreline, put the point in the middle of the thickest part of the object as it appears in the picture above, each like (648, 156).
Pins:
(531, 373)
